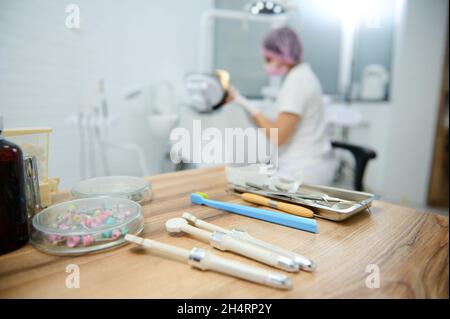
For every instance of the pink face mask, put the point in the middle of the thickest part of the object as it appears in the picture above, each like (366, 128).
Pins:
(274, 70)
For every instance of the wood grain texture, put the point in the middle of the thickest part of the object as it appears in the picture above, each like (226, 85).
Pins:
(409, 247)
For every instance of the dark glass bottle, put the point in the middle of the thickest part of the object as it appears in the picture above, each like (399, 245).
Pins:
(13, 214)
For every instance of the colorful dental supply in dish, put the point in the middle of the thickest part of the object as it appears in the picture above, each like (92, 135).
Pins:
(86, 225)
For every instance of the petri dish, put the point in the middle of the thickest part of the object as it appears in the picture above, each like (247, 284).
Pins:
(85, 225)
(128, 187)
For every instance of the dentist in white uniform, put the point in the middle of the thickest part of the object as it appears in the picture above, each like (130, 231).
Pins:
(303, 145)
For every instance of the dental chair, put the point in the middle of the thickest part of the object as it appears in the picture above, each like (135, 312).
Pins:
(361, 156)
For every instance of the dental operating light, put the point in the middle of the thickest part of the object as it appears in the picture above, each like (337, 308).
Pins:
(266, 7)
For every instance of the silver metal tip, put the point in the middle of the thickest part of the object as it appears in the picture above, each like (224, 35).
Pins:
(279, 281)
(288, 264)
(306, 264)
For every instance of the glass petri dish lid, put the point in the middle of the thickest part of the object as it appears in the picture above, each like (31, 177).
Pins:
(128, 187)
(85, 225)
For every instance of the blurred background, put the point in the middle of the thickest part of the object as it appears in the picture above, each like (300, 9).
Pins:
(108, 78)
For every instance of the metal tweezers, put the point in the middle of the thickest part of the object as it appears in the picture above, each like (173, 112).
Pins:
(300, 196)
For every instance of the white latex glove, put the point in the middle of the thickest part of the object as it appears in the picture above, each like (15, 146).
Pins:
(249, 106)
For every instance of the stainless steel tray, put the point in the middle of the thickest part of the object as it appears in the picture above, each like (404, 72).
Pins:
(323, 209)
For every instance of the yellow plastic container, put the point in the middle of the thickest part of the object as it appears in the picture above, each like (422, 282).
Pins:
(34, 141)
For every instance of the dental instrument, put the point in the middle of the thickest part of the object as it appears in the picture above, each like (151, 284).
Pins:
(298, 195)
(281, 191)
(288, 208)
(263, 191)
(296, 222)
(205, 260)
(223, 241)
(303, 262)
(307, 199)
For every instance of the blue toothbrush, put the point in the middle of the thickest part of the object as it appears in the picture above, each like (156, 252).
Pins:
(297, 222)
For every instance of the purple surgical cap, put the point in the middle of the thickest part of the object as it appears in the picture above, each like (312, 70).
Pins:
(284, 44)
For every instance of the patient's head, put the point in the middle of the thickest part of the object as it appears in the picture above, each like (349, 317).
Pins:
(282, 50)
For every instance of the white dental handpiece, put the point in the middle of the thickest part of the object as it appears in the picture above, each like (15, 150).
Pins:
(226, 242)
(303, 262)
(204, 260)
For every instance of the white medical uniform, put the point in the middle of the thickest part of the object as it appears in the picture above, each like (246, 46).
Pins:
(308, 151)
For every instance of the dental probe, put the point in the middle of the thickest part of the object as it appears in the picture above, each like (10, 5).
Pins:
(204, 260)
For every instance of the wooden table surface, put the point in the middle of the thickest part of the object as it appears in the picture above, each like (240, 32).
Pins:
(410, 249)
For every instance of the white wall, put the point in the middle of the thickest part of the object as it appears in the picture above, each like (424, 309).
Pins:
(403, 131)
(48, 71)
